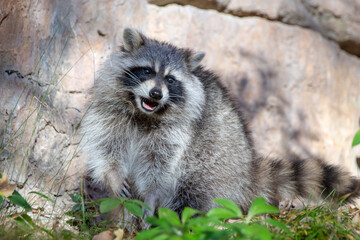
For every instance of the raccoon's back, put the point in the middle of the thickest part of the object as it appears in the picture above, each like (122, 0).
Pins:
(217, 162)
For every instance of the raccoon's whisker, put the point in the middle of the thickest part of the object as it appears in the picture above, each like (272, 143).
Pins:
(134, 79)
(171, 103)
(142, 91)
(176, 96)
(131, 74)
(131, 79)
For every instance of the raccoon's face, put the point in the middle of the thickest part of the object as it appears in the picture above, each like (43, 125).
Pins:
(153, 90)
(158, 76)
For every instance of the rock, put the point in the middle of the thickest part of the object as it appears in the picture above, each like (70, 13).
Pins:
(106, 235)
(337, 20)
(298, 89)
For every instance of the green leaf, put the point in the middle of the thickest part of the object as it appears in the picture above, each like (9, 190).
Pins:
(18, 200)
(25, 221)
(188, 213)
(238, 227)
(170, 216)
(191, 236)
(48, 232)
(356, 140)
(144, 205)
(1, 200)
(257, 231)
(108, 204)
(204, 224)
(258, 207)
(76, 198)
(76, 207)
(133, 208)
(229, 205)
(165, 237)
(221, 213)
(149, 234)
(44, 196)
(278, 224)
(154, 221)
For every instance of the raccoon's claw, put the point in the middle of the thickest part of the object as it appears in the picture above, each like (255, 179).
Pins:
(126, 190)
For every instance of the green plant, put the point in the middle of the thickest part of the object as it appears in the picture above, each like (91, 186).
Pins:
(356, 139)
(228, 222)
(224, 222)
(214, 224)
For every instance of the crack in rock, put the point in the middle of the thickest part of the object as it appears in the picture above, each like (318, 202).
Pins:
(3, 18)
(48, 123)
(18, 74)
(75, 92)
(27, 76)
(58, 131)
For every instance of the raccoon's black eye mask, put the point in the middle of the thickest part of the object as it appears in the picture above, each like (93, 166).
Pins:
(143, 72)
(138, 74)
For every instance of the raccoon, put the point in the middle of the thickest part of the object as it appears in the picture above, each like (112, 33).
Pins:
(162, 129)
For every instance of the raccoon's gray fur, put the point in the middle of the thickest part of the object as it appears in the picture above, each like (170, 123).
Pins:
(166, 127)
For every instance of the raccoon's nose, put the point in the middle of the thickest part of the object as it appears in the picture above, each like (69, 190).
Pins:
(156, 94)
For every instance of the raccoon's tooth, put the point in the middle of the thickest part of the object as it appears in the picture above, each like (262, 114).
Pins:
(146, 106)
(149, 105)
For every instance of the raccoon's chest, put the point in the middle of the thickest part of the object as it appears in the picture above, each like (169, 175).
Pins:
(149, 160)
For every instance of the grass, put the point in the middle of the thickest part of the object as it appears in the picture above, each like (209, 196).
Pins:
(322, 222)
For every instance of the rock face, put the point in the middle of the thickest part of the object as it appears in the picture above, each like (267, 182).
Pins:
(337, 20)
(292, 66)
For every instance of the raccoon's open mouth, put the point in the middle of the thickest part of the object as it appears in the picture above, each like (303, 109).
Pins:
(148, 105)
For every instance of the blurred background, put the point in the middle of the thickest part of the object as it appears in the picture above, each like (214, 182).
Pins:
(292, 65)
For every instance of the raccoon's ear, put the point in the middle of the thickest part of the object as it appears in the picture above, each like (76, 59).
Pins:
(132, 39)
(194, 60)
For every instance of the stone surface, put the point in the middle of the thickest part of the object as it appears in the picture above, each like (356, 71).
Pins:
(299, 90)
(337, 20)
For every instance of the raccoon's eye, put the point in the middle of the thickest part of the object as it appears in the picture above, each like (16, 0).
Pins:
(148, 71)
(170, 79)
